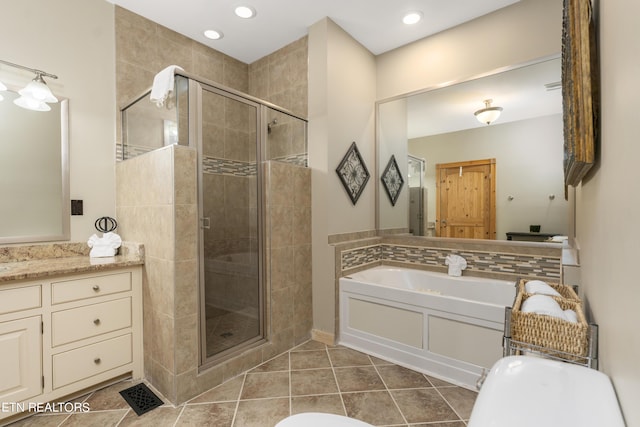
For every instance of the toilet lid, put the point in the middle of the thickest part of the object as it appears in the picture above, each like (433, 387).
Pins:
(318, 419)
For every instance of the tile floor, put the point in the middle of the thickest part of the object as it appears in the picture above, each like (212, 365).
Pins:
(226, 329)
(311, 377)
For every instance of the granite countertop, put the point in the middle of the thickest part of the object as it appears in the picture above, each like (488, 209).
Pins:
(38, 261)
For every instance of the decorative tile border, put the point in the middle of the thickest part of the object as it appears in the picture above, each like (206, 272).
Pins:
(131, 151)
(486, 262)
(296, 159)
(360, 257)
(217, 166)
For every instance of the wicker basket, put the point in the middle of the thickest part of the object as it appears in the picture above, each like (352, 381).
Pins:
(549, 332)
(566, 292)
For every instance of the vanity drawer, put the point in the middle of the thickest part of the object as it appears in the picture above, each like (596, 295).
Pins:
(90, 360)
(18, 299)
(90, 320)
(88, 287)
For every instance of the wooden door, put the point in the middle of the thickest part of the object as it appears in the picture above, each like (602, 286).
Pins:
(465, 199)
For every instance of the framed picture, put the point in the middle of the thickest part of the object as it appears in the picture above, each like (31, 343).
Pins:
(353, 173)
(580, 89)
(392, 180)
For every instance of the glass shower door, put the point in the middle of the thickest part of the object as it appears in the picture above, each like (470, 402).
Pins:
(231, 299)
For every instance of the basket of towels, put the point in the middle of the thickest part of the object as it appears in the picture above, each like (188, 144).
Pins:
(550, 317)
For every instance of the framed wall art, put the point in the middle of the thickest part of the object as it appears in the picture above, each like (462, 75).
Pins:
(353, 173)
(392, 180)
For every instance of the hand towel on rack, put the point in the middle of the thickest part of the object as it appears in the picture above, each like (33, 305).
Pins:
(163, 85)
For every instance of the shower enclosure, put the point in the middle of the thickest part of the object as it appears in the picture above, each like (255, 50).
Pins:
(234, 135)
(415, 182)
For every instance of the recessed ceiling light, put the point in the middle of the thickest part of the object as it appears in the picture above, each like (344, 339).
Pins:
(245, 12)
(213, 34)
(412, 18)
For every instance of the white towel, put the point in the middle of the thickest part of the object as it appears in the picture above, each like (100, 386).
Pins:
(571, 316)
(163, 85)
(542, 304)
(456, 264)
(540, 287)
(547, 306)
(104, 246)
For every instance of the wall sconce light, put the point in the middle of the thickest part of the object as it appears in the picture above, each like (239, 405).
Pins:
(35, 95)
(488, 114)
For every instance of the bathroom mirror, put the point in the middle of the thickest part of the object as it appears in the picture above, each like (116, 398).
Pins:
(34, 184)
(438, 126)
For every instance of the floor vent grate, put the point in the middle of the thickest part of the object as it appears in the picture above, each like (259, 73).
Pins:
(141, 399)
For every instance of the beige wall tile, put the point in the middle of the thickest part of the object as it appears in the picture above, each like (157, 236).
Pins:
(187, 356)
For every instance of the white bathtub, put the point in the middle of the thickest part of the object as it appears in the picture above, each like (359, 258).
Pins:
(447, 327)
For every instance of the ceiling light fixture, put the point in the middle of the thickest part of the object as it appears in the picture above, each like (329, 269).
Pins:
(412, 18)
(36, 95)
(245, 12)
(213, 34)
(488, 114)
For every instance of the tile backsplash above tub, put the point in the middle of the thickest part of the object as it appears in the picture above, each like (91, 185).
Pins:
(484, 258)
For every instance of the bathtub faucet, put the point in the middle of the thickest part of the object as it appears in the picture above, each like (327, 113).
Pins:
(456, 264)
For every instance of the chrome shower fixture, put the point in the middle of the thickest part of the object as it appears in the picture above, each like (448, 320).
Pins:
(270, 124)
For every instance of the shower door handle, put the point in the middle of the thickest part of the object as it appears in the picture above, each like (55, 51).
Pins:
(205, 223)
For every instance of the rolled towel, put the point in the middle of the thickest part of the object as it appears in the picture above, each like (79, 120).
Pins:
(543, 304)
(540, 287)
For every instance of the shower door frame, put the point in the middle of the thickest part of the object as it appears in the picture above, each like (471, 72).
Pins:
(196, 87)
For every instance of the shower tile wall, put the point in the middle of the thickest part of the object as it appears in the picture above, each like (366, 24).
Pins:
(143, 48)
(289, 227)
(156, 204)
(148, 210)
(281, 78)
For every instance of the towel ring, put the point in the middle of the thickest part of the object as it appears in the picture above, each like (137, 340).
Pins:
(106, 224)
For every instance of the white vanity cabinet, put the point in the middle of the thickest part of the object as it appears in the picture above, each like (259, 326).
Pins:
(69, 333)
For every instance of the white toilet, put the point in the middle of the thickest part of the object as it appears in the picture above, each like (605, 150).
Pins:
(527, 391)
(317, 419)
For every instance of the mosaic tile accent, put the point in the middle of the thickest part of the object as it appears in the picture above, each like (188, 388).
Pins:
(361, 256)
(228, 167)
(296, 159)
(489, 262)
(131, 151)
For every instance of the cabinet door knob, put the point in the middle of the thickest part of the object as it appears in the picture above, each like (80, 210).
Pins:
(96, 322)
(96, 288)
(97, 360)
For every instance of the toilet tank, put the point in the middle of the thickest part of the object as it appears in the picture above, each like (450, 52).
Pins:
(528, 391)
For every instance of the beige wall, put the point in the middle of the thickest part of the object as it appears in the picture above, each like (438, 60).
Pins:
(521, 32)
(345, 80)
(608, 229)
(74, 40)
(341, 111)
